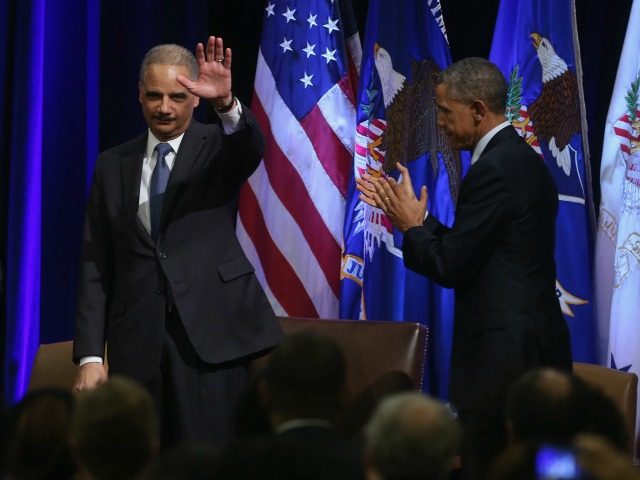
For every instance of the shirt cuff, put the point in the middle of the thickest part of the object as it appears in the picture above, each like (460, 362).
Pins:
(233, 120)
(90, 359)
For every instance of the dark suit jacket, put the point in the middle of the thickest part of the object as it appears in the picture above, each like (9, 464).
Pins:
(499, 257)
(124, 273)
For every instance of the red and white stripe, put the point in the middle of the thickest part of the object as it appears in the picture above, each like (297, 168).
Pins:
(291, 210)
(622, 128)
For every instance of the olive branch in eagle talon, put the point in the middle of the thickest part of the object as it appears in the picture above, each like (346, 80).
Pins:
(516, 113)
(632, 98)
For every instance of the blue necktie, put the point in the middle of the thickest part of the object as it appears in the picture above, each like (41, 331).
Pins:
(159, 179)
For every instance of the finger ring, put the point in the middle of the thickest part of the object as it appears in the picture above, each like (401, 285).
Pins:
(386, 199)
(220, 59)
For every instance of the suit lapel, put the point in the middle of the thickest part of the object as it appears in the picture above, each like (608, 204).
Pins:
(131, 169)
(186, 161)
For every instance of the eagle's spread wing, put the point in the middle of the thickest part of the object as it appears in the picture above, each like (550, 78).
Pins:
(556, 112)
(412, 126)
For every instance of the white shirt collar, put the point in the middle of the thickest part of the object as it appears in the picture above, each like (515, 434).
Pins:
(484, 141)
(152, 141)
(302, 422)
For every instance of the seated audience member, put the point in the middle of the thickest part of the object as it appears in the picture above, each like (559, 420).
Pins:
(187, 461)
(114, 434)
(302, 389)
(362, 405)
(551, 406)
(304, 384)
(411, 436)
(36, 437)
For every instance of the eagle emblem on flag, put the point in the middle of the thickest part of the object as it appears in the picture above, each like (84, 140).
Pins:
(411, 112)
(627, 129)
(556, 112)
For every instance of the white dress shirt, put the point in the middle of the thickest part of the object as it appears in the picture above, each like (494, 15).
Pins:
(484, 141)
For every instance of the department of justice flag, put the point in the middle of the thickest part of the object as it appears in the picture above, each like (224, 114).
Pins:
(535, 45)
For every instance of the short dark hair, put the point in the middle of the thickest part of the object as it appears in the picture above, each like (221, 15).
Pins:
(115, 429)
(475, 78)
(169, 54)
(547, 405)
(305, 375)
(36, 435)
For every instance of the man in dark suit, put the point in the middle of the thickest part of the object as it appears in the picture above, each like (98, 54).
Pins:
(498, 255)
(164, 281)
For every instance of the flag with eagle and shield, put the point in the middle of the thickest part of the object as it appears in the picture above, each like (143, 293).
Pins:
(404, 48)
(535, 45)
(618, 235)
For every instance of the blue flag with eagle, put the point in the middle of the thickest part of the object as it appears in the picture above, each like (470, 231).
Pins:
(535, 45)
(404, 48)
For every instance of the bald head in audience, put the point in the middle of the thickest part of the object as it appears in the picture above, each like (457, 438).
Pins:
(411, 436)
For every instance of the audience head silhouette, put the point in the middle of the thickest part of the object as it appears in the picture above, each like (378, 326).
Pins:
(411, 436)
(36, 435)
(305, 378)
(115, 432)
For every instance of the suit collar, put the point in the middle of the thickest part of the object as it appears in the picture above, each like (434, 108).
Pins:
(484, 142)
(131, 170)
(187, 160)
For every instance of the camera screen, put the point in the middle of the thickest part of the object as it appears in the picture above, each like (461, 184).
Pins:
(553, 463)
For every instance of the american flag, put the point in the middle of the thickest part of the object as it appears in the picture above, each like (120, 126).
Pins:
(291, 210)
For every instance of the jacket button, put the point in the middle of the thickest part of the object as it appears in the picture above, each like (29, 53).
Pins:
(160, 291)
(162, 255)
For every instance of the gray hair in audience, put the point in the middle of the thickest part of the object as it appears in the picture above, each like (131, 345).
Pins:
(412, 435)
(170, 54)
(475, 78)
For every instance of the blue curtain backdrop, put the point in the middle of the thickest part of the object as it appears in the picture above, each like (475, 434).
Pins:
(68, 88)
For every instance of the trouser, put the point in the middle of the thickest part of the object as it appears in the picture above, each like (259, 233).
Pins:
(195, 399)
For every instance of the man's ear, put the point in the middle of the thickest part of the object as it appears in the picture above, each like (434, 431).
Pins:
(140, 92)
(479, 110)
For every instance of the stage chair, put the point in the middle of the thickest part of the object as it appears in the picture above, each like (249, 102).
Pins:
(622, 387)
(53, 366)
(372, 349)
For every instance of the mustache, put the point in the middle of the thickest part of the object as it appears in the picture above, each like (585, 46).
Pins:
(164, 118)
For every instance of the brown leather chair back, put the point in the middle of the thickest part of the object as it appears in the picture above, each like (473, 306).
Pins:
(371, 348)
(53, 366)
(622, 387)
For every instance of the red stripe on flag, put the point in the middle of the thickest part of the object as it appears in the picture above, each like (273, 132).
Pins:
(621, 132)
(332, 154)
(379, 124)
(282, 279)
(361, 150)
(346, 86)
(291, 191)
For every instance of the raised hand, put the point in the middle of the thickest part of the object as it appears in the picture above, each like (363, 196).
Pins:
(214, 79)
